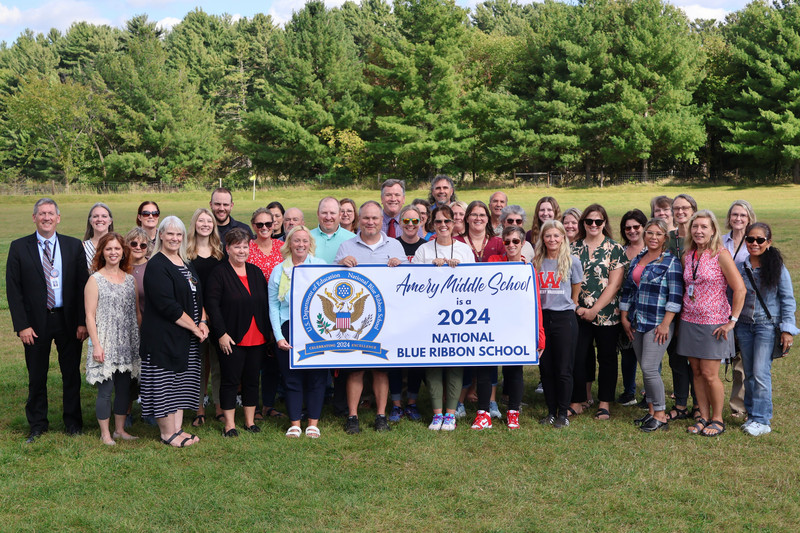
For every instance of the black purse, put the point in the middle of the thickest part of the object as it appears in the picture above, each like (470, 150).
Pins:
(777, 348)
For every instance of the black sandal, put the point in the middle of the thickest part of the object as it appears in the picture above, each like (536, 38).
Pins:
(602, 412)
(717, 426)
(680, 414)
(168, 441)
(698, 427)
(198, 421)
(654, 424)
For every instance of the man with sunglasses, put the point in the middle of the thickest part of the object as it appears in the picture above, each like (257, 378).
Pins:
(371, 246)
(514, 215)
(221, 205)
(329, 235)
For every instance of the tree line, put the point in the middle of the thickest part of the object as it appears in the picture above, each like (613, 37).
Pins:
(407, 90)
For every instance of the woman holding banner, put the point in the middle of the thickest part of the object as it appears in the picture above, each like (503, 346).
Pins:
(513, 384)
(300, 384)
(440, 251)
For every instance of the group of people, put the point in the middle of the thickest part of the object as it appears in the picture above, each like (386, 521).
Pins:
(167, 307)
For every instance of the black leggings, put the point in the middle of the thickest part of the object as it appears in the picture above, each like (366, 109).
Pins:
(119, 381)
(513, 385)
(243, 365)
(605, 337)
(558, 358)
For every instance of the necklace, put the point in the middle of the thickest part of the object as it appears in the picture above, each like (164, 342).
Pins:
(478, 254)
(436, 250)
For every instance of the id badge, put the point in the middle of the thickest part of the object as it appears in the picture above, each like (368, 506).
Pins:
(54, 283)
(690, 292)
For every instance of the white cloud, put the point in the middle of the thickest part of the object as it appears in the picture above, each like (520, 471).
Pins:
(167, 23)
(695, 11)
(10, 15)
(236, 18)
(59, 14)
(282, 10)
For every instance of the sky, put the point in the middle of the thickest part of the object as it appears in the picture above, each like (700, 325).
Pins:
(42, 15)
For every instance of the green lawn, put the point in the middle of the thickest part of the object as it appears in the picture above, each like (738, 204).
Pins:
(593, 476)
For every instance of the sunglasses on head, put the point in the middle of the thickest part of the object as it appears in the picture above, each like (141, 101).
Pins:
(511, 241)
(260, 225)
(150, 213)
(595, 221)
(412, 221)
(140, 245)
(751, 240)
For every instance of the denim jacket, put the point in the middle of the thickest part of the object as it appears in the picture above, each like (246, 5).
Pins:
(779, 300)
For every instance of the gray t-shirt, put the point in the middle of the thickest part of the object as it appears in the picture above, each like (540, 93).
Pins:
(555, 294)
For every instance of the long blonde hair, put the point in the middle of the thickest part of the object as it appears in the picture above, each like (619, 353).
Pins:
(715, 244)
(213, 239)
(564, 257)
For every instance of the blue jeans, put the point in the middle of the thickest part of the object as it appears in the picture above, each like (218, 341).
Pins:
(755, 343)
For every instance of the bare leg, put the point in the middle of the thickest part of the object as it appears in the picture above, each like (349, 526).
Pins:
(355, 385)
(249, 415)
(229, 419)
(105, 434)
(119, 431)
(380, 386)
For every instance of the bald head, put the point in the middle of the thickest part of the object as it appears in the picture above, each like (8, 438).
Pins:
(293, 217)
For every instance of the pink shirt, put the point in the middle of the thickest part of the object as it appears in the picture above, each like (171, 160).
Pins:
(709, 304)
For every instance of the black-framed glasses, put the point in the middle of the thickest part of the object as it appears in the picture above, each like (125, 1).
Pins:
(260, 225)
(150, 213)
(443, 221)
(412, 221)
(508, 242)
(594, 221)
(750, 239)
(140, 245)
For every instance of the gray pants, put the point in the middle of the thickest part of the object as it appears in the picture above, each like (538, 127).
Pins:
(119, 381)
(650, 353)
(433, 377)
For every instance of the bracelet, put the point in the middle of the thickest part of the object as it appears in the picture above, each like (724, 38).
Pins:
(204, 322)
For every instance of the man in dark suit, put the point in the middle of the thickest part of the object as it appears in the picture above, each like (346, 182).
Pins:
(45, 277)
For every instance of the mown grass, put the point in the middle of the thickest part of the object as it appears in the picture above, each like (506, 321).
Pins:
(593, 476)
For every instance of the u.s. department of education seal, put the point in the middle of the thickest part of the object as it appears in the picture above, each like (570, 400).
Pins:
(342, 311)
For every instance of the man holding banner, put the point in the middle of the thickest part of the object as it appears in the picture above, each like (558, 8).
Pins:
(370, 246)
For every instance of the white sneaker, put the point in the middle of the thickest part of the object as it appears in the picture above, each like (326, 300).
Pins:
(747, 423)
(449, 423)
(436, 423)
(756, 429)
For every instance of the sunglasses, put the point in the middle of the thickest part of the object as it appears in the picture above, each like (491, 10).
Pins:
(517, 221)
(751, 240)
(508, 242)
(150, 213)
(411, 221)
(632, 228)
(140, 245)
(443, 221)
(596, 221)
(260, 225)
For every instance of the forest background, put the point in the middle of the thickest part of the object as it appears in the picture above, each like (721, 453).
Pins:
(373, 90)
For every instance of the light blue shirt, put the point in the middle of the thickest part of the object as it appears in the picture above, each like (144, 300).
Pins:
(378, 254)
(327, 245)
(55, 254)
(779, 300)
(281, 311)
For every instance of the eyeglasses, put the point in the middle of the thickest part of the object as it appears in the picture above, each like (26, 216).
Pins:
(633, 228)
(680, 208)
(478, 215)
(517, 221)
(759, 240)
(739, 215)
(150, 213)
(508, 242)
(443, 221)
(596, 221)
(654, 234)
(260, 225)
(410, 221)
(140, 245)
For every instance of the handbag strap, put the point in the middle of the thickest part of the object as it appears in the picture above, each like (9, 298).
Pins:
(755, 288)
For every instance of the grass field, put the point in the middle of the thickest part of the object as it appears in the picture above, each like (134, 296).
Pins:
(593, 476)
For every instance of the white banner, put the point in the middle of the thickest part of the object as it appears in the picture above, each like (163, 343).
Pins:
(413, 315)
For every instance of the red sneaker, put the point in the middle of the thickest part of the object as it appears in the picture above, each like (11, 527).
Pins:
(512, 419)
(482, 421)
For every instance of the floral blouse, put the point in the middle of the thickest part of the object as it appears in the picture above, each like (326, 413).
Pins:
(607, 257)
(266, 262)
